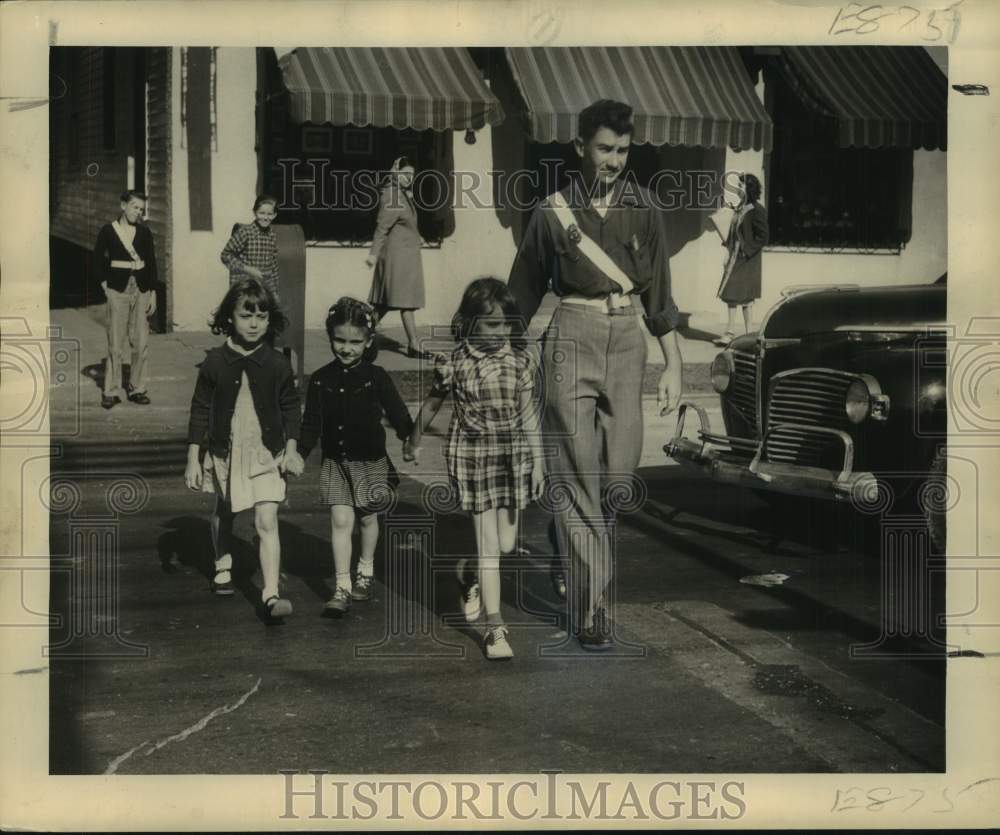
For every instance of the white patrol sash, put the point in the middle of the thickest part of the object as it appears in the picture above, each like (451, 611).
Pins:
(124, 265)
(597, 256)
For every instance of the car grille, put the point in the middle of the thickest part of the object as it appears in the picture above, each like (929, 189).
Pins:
(744, 392)
(812, 397)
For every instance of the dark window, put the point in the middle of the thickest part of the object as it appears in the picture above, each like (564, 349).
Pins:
(108, 110)
(329, 178)
(823, 196)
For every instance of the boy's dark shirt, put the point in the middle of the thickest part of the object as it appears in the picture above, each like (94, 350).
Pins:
(632, 235)
(272, 385)
(109, 247)
(344, 407)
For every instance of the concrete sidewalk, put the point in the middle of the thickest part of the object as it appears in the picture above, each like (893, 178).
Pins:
(174, 357)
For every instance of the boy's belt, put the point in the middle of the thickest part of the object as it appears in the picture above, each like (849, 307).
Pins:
(123, 265)
(606, 304)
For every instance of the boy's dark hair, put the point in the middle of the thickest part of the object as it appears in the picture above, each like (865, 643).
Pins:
(480, 299)
(348, 311)
(128, 195)
(752, 186)
(265, 198)
(255, 296)
(605, 113)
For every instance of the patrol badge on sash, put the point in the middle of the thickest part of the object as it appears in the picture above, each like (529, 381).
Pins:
(574, 234)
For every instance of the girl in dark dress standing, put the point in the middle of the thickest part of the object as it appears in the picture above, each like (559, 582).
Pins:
(748, 234)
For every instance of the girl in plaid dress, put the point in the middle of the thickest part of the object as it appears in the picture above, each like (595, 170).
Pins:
(252, 249)
(345, 403)
(493, 455)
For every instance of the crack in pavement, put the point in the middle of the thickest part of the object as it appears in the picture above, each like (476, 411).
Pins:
(200, 725)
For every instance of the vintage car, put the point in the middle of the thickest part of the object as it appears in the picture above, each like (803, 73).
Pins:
(841, 396)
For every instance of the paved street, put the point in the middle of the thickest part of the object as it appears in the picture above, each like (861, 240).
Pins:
(715, 670)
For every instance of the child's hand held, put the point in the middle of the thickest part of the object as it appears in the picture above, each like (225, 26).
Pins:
(411, 452)
(294, 464)
(537, 480)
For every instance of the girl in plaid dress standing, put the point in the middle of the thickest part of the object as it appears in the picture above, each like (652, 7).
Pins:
(252, 249)
(493, 454)
(345, 403)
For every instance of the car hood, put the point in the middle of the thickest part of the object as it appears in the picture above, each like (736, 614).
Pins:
(909, 307)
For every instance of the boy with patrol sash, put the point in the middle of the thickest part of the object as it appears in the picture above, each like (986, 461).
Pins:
(601, 243)
(125, 263)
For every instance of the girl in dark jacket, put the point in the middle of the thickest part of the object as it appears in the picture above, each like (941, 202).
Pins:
(345, 403)
(245, 409)
(748, 234)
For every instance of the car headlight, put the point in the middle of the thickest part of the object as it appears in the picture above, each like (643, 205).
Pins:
(858, 401)
(723, 371)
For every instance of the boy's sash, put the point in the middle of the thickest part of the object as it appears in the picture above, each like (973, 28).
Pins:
(126, 265)
(597, 256)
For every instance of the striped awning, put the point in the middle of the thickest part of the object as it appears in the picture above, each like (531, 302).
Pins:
(880, 96)
(680, 95)
(411, 87)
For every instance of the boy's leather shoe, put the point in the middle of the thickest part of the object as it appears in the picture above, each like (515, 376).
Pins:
(598, 635)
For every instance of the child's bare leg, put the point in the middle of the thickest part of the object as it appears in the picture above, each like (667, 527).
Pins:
(369, 541)
(746, 318)
(265, 518)
(507, 529)
(488, 545)
(731, 326)
(222, 540)
(341, 530)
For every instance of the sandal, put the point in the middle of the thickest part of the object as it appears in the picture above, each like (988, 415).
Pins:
(277, 607)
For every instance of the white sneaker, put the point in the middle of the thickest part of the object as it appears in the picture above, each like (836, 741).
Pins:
(497, 646)
(472, 605)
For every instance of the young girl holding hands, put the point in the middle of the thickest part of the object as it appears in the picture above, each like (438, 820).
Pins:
(493, 451)
(345, 403)
(245, 409)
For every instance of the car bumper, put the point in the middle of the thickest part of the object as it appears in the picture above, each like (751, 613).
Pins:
(741, 461)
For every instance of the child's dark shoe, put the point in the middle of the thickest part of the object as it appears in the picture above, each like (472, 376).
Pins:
(277, 608)
(222, 585)
(338, 605)
(362, 588)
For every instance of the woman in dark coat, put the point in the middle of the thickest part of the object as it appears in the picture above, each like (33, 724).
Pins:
(398, 283)
(748, 234)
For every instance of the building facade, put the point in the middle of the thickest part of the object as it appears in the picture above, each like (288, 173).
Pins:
(855, 180)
